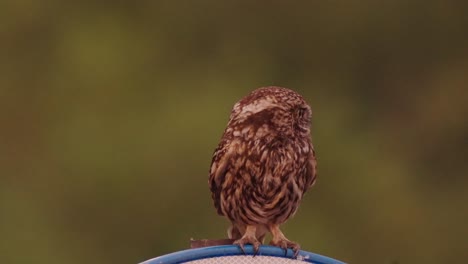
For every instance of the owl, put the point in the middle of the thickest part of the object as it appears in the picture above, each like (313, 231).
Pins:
(263, 166)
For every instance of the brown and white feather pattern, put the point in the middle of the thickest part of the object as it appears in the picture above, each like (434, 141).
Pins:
(265, 161)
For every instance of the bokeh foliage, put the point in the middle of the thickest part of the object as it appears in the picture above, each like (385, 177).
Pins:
(110, 111)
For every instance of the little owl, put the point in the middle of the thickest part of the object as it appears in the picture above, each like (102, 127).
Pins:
(263, 165)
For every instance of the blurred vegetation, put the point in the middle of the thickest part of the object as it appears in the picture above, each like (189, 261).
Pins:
(110, 111)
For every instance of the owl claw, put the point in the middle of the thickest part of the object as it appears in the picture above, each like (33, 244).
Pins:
(285, 244)
(248, 240)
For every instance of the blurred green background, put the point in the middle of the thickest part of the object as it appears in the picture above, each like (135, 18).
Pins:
(110, 112)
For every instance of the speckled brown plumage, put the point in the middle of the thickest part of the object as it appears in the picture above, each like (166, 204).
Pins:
(263, 165)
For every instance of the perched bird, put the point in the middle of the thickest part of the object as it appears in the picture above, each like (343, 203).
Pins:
(263, 165)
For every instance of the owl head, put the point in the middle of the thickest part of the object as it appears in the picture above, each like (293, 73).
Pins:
(281, 109)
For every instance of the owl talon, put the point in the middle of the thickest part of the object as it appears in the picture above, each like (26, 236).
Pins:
(248, 240)
(285, 244)
(241, 246)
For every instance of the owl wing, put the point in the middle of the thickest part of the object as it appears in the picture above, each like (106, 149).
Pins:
(219, 167)
(311, 170)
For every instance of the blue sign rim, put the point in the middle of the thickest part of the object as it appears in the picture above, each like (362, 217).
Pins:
(232, 250)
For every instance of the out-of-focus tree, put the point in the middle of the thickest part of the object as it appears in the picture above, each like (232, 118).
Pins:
(109, 113)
